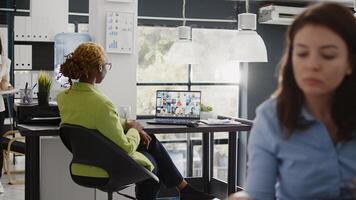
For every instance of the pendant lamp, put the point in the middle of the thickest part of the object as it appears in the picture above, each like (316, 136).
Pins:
(184, 50)
(247, 45)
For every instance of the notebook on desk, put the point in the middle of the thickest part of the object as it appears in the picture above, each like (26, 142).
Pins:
(174, 107)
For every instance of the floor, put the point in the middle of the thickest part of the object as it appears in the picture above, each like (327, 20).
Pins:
(17, 192)
(14, 192)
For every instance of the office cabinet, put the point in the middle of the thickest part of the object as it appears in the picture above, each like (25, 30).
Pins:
(30, 57)
(33, 50)
(55, 180)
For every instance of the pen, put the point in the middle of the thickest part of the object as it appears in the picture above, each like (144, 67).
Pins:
(34, 86)
(26, 87)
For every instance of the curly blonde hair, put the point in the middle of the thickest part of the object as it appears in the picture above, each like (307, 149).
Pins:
(85, 57)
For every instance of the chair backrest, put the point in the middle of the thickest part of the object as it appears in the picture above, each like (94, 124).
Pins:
(90, 147)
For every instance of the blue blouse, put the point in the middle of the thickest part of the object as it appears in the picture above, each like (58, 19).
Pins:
(307, 165)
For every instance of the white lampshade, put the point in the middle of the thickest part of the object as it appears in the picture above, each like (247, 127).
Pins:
(184, 50)
(248, 46)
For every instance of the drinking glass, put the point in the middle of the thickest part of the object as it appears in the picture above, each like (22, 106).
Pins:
(124, 111)
(26, 96)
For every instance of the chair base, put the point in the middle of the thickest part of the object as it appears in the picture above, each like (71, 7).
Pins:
(110, 196)
(15, 172)
(16, 182)
(17, 148)
(127, 196)
(9, 172)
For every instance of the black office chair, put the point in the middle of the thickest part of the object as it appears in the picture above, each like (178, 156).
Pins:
(89, 147)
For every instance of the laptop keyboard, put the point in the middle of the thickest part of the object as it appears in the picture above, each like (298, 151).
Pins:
(173, 121)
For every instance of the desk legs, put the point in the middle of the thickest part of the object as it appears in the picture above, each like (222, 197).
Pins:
(207, 146)
(232, 163)
(32, 171)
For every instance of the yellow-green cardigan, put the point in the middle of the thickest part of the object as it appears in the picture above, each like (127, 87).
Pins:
(84, 105)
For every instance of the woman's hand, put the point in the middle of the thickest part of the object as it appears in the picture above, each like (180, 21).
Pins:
(4, 85)
(145, 138)
(134, 124)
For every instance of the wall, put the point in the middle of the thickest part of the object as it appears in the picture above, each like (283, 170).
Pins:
(56, 12)
(120, 83)
(262, 77)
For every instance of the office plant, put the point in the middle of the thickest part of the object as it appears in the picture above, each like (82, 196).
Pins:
(206, 111)
(44, 87)
(205, 108)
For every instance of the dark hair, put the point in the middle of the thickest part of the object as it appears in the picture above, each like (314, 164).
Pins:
(290, 98)
(85, 57)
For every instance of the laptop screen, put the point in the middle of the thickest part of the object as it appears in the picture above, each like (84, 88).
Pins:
(178, 104)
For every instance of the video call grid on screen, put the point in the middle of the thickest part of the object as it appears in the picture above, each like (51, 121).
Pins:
(178, 104)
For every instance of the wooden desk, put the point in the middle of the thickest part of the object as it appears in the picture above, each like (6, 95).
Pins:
(207, 145)
(33, 132)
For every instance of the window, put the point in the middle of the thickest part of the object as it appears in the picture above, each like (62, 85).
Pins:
(154, 43)
(215, 76)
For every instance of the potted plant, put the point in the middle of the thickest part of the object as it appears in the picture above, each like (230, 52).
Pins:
(44, 87)
(206, 111)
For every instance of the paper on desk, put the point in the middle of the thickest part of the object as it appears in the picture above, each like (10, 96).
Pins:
(212, 121)
(9, 91)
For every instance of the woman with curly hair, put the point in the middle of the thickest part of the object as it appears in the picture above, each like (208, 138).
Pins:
(82, 104)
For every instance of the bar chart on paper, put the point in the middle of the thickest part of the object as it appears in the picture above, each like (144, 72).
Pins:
(119, 32)
(113, 45)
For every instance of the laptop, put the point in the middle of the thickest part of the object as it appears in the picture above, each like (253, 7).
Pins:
(176, 107)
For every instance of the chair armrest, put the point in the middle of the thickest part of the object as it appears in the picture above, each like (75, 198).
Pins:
(11, 132)
(16, 145)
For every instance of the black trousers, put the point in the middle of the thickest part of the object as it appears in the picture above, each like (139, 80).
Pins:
(165, 170)
(2, 119)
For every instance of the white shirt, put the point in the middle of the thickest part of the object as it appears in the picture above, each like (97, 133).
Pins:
(3, 70)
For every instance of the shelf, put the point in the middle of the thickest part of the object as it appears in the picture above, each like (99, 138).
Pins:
(32, 42)
(33, 70)
(42, 55)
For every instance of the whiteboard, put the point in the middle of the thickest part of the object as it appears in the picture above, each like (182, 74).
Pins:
(4, 39)
(119, 32)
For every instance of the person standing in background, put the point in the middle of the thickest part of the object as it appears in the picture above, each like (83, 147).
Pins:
(4, 85)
